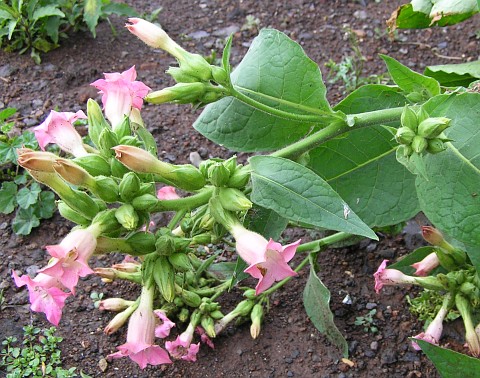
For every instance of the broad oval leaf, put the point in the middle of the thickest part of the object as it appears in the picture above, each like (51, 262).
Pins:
(361, 166)
(276, 72)
(452, 75)
(298, 194)
(450, 194)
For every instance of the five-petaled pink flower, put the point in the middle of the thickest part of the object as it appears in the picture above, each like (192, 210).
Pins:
(163, 330)
(70, 257)
(45, 294)
(120, 93)
(140, 345)
(167, 193)
(268, 260)
(425, 266)
(58, 128)
(385, 277)
(182, 347)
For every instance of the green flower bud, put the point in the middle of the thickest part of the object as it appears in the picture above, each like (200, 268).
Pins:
(216, 315)
(180, 262)
(433, 127)
(201, 239)
(240, 177)
(82, 203)
(164, 276)
(106, 188)
(127, 216)
(123, 129)
(208, 325)
(130, 140)
(207, 222)
(419, 144)
(404, 135)
(185, 177)
(129, 186)
(446, 261)
(234, 200)
(96, 122)
(117, 168)
(406, 150)
(195, 261)
(182, 93)
(422, 115)
(219, 75)
(211, 96)
(142, 243)
(68, 213)
(435, 146)
(244, 307)
(94, 164)
(184, 315)
(414, 97)
(145, 202)
(218, 174)
(468, 288)
(249, 294)
(108, 221)
(408, 119)
(205, 165)
(195, 65)
(190, 298)
(257, 317)
(106, 141)
(165, 245)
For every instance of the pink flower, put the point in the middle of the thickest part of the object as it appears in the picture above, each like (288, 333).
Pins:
(429, 263)
(70, 257)
(182, 347)
(45, 295)
(204, 337)
(152, 35)
(434, 330)
(163, 330)
(141, 334)
(167, 193)
(58, 128)
(385, 277)
(268, 259)
(120, 93)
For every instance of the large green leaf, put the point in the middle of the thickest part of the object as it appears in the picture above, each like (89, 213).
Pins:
(450, 364)
(450, 195)
(316, 299)
(451, 75)
(411, 81)
(361, 166)
(47, 11)
(298, 194)
(266, 222)
(276, 72)
(427, 13)
(91, 13)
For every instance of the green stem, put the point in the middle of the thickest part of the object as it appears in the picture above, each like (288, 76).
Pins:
(334, 129)
(176, 218)
(187, 203)
(310, 118)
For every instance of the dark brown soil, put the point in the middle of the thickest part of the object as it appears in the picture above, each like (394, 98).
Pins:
(289, 345)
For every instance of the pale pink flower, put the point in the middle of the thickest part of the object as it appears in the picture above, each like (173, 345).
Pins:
(167, 193)
(120, 93)
(140, 345)
(70, 257)
(268, 260)
(204, 337)
(385, 277)
(45, 295)
(434, 330)
(58, 128)
(153, 36)
(182, 347)
(425, 266)
(163, 330)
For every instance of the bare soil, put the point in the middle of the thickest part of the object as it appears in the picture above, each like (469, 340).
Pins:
(289, 345)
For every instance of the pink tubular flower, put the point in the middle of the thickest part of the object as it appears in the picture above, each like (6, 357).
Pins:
(182, 347)
(153, 35)
(120, 93)
(167, 193)
(45, 295)
(163, 330)
(70, 257)
(385, 277)
(204, 337)
(268, 260)
(429, 263)
(141, 334)
(58, 128)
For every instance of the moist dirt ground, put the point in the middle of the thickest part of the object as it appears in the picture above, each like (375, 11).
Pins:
(289, 345)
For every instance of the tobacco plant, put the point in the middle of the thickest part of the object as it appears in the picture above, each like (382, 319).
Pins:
(375, 159)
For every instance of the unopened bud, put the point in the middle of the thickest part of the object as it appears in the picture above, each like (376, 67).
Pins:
(96, 122)
(36, 160)
(436, 145)
(94, 164)
(419, 144)
(180, 262)
(190, 298)
(106, 141)
(106, 188)
(257, 317)
(127, 216)
(244, 307)
(181, 93)
(408, 119)
(234, 200)
(142, 243)
(433, 127)
(184, 314)
(129, 186)
(208, 325)
(404, 135)
(164, 276)
(240, 177)
(145, 202)
(114, 304)
(249, 293)
(218, 174)
(68, 213)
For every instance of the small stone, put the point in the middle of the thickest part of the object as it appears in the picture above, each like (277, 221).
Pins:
(3, 225)
(442, 45)
(290, 374)
(103, 364)
(370, 305)
(387, 253)
(7, 70)
(374, 345)
(195, 158)
(225, 32)
(360, 14)
(199, 34)
(203, 152)
(388, 357)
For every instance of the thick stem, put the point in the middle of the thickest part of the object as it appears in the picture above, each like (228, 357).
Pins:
(356, 121)
(187, 203)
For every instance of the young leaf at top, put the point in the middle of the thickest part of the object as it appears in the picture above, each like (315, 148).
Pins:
(316, 299)
(298, 194)
(275, 72)
(453, 75)
(410, 81)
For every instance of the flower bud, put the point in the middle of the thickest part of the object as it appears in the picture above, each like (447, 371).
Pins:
(234, 200)
(422, 115)
(257, 317)
(165, 245)
(408, 119)
(404, 135)
(208, 325)
(106, 141)
(129, 186)
(415, 97)
(96, 121)
(68, 213)
(145, 202)
(433, 236)
(106, 188)
(433, 127)
(142, 243)
(218, 174)
(180, 262)
(184, 315)
(94, 164)
(435, 146)
(137, 159)
(249, 294)
(244, 307)
(123, 130)
(464, 307)
(240, 177)
(419, 144)
(216, 315)
(118, 321)
(36, 160)
(201, 239)
(114, 304)
(108, 221)
(117, 168)
(190, 298)
(219, 75)
(181, 93)
(446, 261)
(127, 216)
(164, 276)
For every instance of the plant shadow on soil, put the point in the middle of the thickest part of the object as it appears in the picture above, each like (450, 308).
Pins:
(289, 345)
